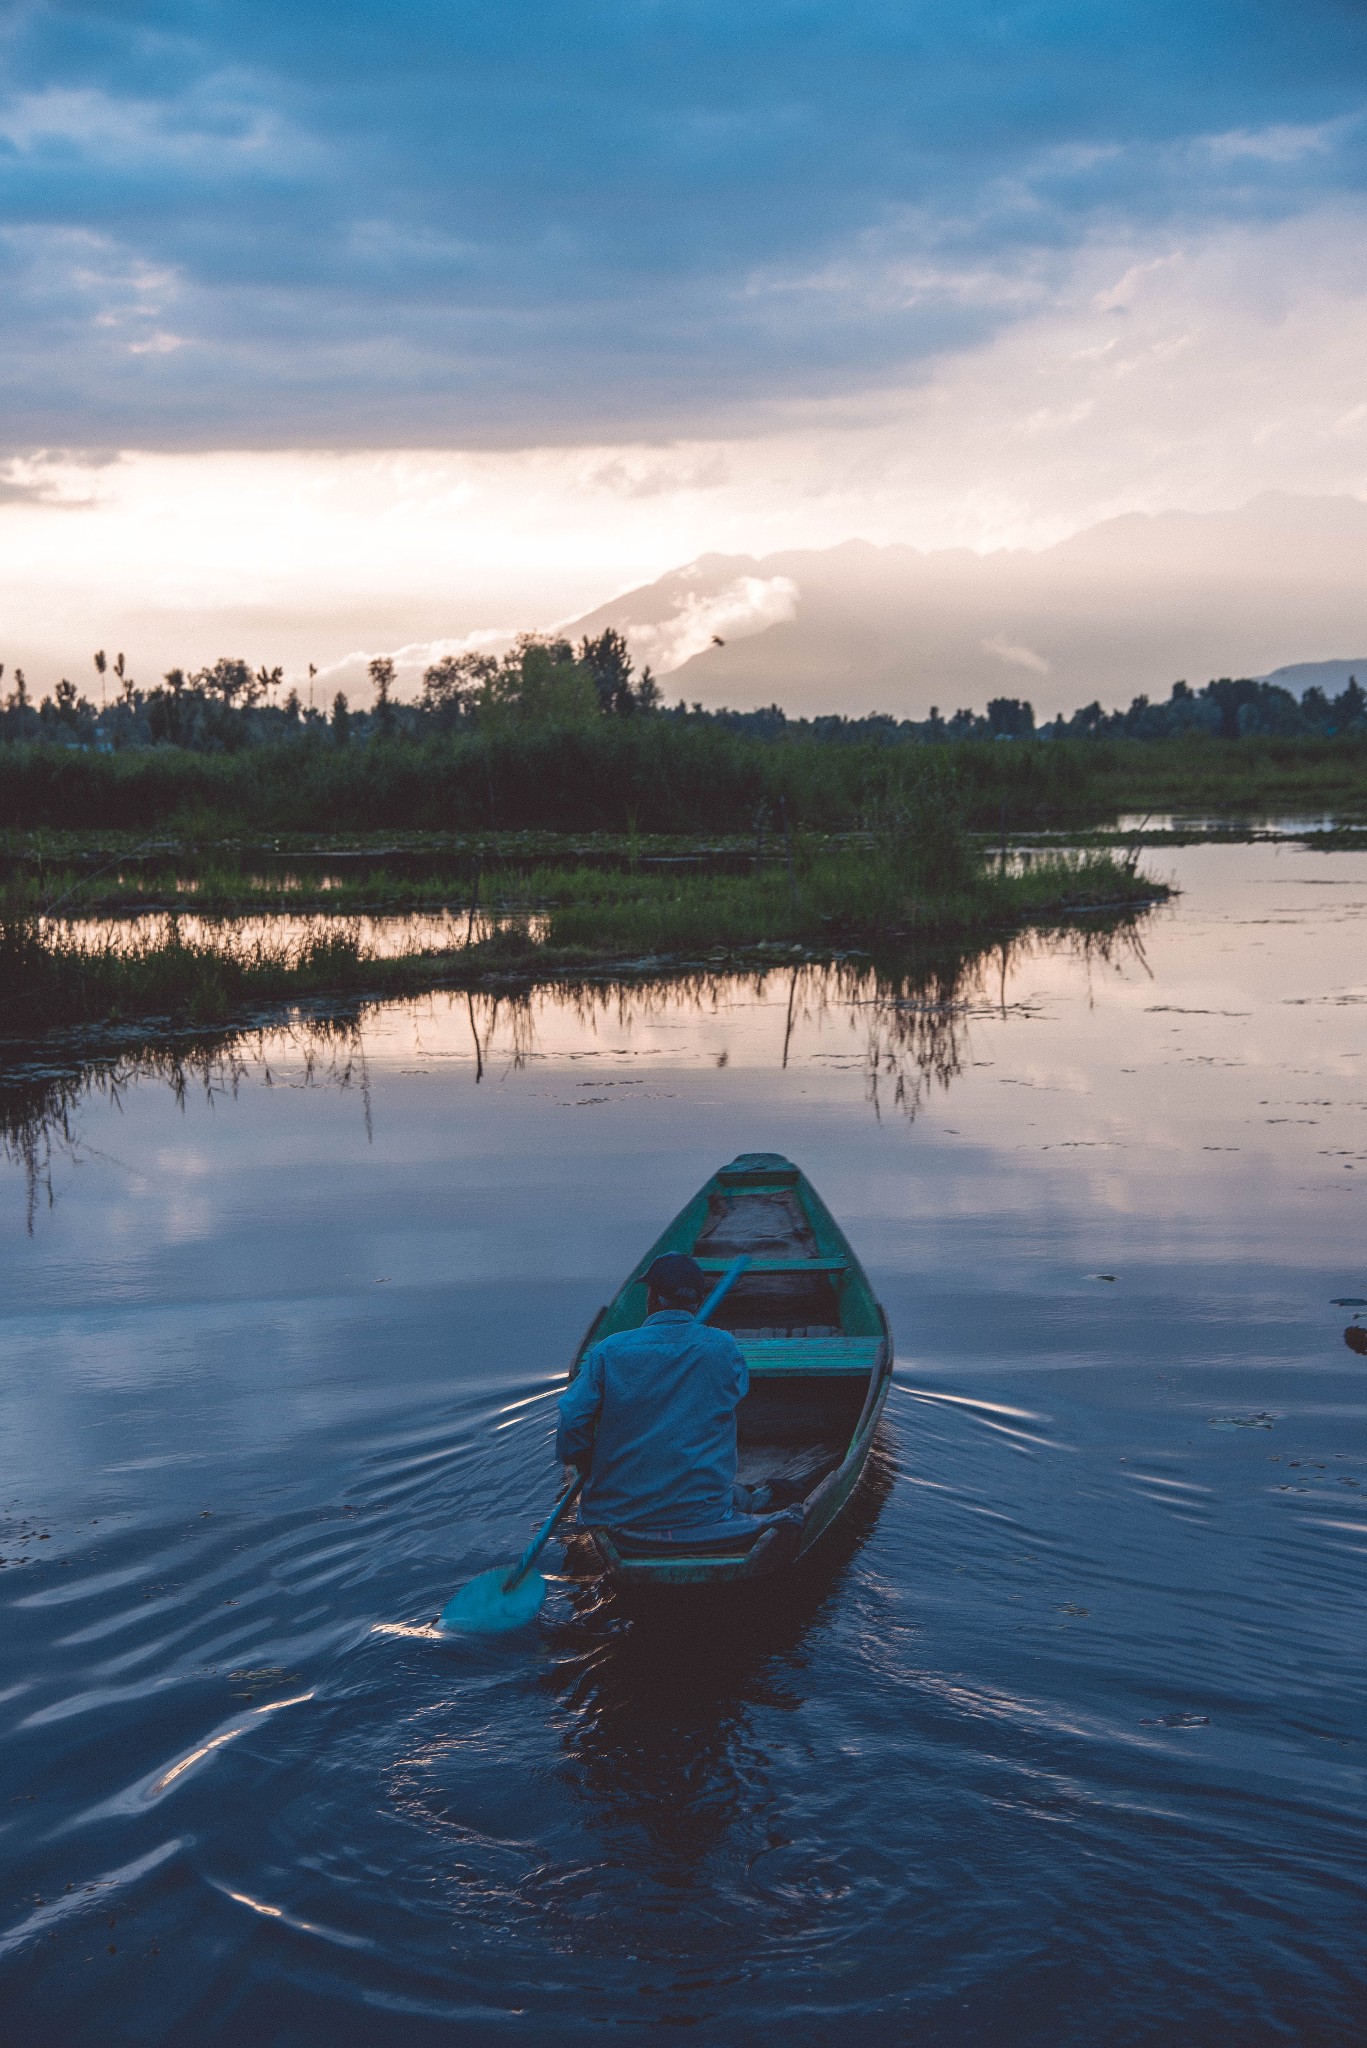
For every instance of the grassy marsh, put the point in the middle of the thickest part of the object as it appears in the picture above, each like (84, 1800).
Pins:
(914, 882)
(663, 775)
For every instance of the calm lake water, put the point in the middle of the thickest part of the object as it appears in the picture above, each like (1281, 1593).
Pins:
(1062, 1741)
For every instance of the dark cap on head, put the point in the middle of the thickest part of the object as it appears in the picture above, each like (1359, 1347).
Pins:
(677, 1280)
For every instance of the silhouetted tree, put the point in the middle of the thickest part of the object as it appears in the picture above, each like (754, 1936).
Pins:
(1010, 718)
(609, 663)
(608, 660)
(539, 682)
(228, 679)
(1230, 695)
(126, 683)
(382, 676)
(453, 686)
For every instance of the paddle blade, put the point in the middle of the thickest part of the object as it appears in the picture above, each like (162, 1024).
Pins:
(485, 1608)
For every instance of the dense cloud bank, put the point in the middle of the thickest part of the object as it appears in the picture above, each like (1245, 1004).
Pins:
(246, 225)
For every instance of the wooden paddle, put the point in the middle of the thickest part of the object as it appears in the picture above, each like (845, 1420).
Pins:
(500, 1599)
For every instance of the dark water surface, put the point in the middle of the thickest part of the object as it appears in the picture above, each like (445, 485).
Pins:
(1062, 1740)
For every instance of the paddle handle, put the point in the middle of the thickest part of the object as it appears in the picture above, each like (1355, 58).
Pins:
(723, 1287)
(574, 1489)
(544, 1533)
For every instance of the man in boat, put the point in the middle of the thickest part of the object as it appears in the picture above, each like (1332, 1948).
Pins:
(651, 1414)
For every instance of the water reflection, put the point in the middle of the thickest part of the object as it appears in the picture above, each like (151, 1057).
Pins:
(40, 1100)
(379, 937)
(660, 1698)
(1061, 1739)
(907, 1018)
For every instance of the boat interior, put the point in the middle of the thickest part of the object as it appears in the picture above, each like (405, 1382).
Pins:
(804, 1317)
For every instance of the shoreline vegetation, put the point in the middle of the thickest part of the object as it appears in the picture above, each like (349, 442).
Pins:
(659, 775)
(919, 885)
(576, 826)
(79, 876)
(555, 738)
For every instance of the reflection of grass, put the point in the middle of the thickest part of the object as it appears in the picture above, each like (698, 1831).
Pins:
(47, 981)
(870, 894)
(98, 880)
(40, 1098)
(912, 1005)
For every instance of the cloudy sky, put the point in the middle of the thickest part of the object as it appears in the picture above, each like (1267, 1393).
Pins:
(330, 328)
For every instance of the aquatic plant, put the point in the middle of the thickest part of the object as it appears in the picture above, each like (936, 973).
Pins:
(47, 979)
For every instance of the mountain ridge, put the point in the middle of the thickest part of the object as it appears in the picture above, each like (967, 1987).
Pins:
(1117, 609)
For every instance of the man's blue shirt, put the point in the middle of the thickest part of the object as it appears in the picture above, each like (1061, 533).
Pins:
(655, 1409)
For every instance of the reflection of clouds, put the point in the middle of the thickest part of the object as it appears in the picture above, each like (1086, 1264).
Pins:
(40, 1097)
(904, 1024)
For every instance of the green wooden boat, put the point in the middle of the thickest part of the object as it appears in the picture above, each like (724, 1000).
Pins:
(819, 1351)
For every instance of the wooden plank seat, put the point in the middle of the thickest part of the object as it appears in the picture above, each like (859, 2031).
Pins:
(764, 1170)
(790, 1330)
(762, 1265)
(809, 1354)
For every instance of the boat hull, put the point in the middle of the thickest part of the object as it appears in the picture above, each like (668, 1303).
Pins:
(818, 1386)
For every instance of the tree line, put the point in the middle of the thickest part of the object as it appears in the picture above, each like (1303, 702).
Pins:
(540, 681)
(543, 681)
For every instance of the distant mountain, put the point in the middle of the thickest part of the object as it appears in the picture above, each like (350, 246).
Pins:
(1329, 676)
(1121, 608)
